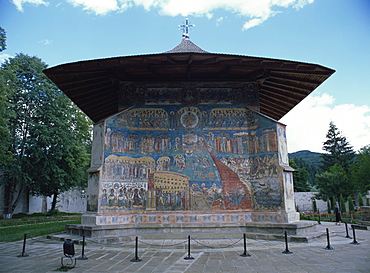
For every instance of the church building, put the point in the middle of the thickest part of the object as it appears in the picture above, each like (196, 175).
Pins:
(187, 139)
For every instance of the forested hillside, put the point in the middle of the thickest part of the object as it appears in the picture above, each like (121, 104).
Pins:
(310, 161)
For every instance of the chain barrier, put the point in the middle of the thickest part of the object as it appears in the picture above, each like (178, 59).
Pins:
(207, 246)
(155, 245)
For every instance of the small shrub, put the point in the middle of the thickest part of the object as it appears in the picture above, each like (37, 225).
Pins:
(351, 206)
(52, 212)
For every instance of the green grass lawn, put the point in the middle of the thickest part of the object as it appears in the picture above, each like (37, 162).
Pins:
(14, 229)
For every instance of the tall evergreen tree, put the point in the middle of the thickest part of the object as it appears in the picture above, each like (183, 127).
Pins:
(339, 150)
(49, 134)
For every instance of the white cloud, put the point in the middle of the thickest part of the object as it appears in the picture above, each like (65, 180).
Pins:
(4, 57)
(46, 42)
(219, 20)
(301, 3)
(253, 22)
(255, 11)
(19, 3)
(99, 7)
(308, 123)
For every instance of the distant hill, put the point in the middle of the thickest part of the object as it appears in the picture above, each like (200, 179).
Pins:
(308, 156)
(309, 160)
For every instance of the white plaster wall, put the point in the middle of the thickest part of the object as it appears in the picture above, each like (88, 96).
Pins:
(72, 201)
(305, 203)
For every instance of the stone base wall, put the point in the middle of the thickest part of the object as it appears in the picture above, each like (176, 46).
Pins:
(190, 218)
(262, 230)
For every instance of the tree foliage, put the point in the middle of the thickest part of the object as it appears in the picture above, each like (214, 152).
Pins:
(311, 168)
(339, 150)
(5, 111)
(360, 201)
(332, 183)
(300, 178)
(342, 204)
(49, 133)
(351, 205)
(2, 39)
(360, 170)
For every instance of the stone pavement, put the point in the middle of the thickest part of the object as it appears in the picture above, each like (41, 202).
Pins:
(209, 255)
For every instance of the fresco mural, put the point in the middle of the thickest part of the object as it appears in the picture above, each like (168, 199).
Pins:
(189, 93)
(177, 157)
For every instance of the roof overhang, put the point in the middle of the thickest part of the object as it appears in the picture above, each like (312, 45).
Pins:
(94, 85)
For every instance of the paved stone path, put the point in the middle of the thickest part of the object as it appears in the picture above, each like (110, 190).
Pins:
(209, 255)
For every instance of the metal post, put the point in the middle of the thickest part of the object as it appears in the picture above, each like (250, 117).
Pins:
(347, 235)
(245, 253)
(189, 257)
(319, 218)
(354, 236)
(286, 251)
(328, 247)
(136, 259)
(83, 257)
(24, 247)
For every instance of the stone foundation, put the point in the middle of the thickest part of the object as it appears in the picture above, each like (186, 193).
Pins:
(263, 230)
(216, 225)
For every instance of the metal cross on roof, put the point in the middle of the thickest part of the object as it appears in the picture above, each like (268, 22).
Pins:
(185, 28)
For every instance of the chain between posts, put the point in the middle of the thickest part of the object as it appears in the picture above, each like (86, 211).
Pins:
(183, 242)
(230, 245)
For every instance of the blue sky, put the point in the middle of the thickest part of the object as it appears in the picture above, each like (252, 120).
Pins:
(332, 33)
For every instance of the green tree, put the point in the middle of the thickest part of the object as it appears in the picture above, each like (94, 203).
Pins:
(300, 178)
(331, 184)
(351, 205)
(5, 112)
(342, 204)
(360, 201)
(50, 134)
(314, 205)
(2, 39)
(339, 150)
(360, 171)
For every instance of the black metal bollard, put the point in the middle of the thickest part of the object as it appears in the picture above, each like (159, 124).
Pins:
(286, 251)
(354, 236)
(136, 259)
(319, 218)
(24, 247)
(347, 235)
(189, 257)
(245, 253)
(328, 247)
(83, 257)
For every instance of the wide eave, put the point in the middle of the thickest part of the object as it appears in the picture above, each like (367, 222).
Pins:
(94, 85)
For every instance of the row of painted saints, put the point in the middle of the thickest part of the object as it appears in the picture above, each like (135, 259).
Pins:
(168, 161)
(237, 143)
(131, 94)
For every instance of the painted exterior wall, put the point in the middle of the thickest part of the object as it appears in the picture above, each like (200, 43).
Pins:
(190, 150)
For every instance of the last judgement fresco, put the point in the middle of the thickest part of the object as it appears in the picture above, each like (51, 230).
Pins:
(176, 157)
